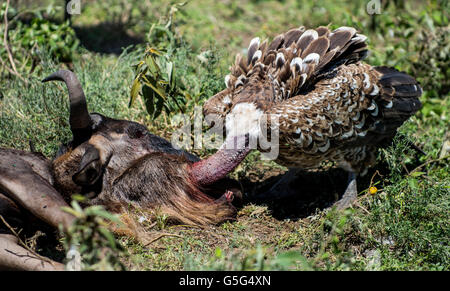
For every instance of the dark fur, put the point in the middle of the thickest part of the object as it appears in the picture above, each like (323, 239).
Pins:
(142, 170)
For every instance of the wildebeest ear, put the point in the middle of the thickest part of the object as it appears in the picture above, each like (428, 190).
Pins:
(90, 168)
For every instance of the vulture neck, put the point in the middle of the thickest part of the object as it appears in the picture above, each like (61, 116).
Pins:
(216, 167)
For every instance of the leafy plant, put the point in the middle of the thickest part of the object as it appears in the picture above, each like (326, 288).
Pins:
(28, 39)
(433, 63)
(156, 83)
(60, 39)
(155, 78)
(90, 236)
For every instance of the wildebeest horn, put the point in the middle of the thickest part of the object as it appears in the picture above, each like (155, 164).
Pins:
(80, 121)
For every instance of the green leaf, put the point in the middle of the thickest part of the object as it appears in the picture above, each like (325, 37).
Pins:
(79, 198)
(154, 51)
(417, 174)
(76, 206)
(169, 67)
(291, 259)
(135, 88)
(154, 87)
(109, 236)
(149, 95)
(98, 210)
(218, 253)
(413, 184)
(159, 105)
(72, 211)
(151, 64)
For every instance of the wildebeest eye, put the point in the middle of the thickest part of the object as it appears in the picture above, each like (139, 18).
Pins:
(135, 132)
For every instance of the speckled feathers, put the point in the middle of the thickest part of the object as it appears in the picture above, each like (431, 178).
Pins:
(330, 105)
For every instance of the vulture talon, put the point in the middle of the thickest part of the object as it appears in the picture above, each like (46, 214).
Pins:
(350, 194)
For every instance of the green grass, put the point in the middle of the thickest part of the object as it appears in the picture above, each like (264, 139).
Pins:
(405, 226)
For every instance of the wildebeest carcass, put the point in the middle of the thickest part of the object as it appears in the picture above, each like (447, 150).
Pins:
(115, 163)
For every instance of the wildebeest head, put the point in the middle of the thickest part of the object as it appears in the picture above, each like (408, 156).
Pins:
(117, 163)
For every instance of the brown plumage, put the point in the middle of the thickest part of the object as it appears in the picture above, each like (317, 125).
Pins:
(330, 105)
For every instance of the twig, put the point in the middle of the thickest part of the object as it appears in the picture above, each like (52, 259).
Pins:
(5, 38)
(24, 244)
(187, 225)
(152, 225)
(12, 72)
(404, 167)
(373, 176)
(9, 70)
(5, 42)
(429, 162)
(161, 236)
(361, 207)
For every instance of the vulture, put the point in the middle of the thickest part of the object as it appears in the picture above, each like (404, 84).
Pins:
(326, 104)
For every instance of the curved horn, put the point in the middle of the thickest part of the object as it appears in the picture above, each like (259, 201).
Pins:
(217, 166)
(80, 121)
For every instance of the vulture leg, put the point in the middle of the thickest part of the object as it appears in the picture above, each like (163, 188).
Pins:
(350, 193)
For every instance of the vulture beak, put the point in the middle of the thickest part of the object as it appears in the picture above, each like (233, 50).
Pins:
(216, 167)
